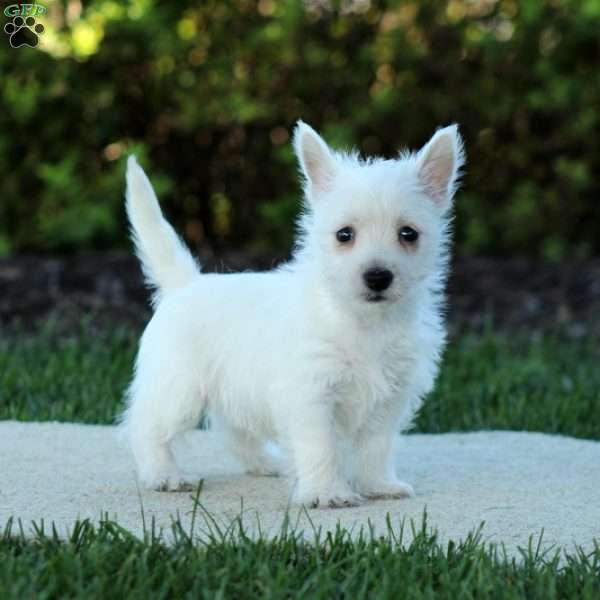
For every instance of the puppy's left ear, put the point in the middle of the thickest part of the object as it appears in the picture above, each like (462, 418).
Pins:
(316, 160)
(439, 163)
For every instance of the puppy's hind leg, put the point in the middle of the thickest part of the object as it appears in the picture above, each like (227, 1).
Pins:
(250, 450)
(159, 409)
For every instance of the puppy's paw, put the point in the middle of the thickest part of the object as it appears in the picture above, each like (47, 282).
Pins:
(343, 497)
(263, 471)
(387, 489)
(172, 482)
(263, 466)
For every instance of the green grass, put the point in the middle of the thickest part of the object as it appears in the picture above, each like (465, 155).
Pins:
(542, 383)
(50, 376)
(499, 381)
(107, 561)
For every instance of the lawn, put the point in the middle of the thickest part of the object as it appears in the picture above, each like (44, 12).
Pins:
(490, 381)
(543, 383)
(107, 561)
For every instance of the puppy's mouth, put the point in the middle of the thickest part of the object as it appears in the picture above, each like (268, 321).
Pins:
(375, 297)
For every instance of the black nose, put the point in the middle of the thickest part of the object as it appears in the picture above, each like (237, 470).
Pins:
(378, 279)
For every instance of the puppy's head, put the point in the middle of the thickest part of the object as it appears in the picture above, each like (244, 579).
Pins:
(377, 228)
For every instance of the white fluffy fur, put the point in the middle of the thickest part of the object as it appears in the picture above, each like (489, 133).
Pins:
(299, 356)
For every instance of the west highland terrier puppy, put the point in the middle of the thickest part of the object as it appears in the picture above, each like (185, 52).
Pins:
(327, 356)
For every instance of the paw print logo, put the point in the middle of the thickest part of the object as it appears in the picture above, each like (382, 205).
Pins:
(24, 32)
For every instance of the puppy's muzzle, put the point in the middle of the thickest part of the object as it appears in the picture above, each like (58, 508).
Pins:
(377, 279)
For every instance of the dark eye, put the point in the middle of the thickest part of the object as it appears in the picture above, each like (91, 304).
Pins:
(345, 235)
(408, 234)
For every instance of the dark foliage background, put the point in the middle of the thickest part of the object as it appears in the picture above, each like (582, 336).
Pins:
(206, 93)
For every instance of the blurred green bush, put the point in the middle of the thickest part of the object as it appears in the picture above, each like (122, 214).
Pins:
(207, 94)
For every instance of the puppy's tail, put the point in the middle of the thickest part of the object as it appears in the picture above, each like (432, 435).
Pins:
(166, 262)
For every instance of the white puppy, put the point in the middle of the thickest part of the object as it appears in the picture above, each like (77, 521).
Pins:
(328, 355)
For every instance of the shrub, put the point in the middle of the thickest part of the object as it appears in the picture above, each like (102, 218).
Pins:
(207, 94)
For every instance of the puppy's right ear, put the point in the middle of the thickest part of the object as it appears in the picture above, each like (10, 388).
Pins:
(316, 159)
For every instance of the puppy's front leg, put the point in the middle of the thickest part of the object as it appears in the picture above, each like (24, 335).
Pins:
(375, 472)
(311, 439)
